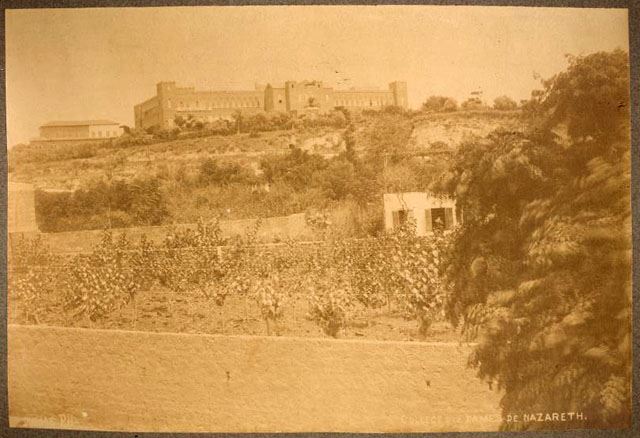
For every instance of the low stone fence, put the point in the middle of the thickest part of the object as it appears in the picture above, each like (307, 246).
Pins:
(271, 229)
(119, 380)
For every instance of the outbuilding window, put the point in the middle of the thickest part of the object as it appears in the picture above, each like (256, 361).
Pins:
(438, 219)
(401, 217)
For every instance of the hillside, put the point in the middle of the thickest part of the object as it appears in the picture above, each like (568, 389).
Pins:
(222, 175)
(169, 156)
(453, 128)
(162, 157)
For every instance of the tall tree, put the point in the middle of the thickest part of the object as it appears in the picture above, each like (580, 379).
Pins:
(540, 272)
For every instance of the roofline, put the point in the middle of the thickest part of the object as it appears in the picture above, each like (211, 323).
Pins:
(79, 123)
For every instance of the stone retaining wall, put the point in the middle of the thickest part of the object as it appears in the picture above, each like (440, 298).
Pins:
(119, 380)
(271, 229)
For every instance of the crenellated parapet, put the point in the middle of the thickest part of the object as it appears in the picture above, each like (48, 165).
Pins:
(295, 97)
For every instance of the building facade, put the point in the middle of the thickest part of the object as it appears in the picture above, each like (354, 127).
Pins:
(307, 97)
(427, 211)
(79, 130)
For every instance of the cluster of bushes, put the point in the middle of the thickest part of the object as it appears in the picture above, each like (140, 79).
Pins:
(224, 174)
(377, 159)
(440, 104)
(102, 205)
(185, 127)
(42, 152)
(194, 127)
(473, 103)
(359, 171)
(339, 278)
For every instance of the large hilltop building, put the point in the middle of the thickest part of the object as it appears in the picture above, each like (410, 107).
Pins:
(295, 97)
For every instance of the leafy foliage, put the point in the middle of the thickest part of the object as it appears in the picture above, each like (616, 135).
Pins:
(440, 104)
(270, 297)
(28, 281)
(387, 139)
(335, 276)
(504, 103)
(473, 103)
(540, 272)
(103, 204)
(103, 281)
(213, 173)
(331, 311)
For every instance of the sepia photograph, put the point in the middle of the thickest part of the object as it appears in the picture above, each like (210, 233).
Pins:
(363, 219)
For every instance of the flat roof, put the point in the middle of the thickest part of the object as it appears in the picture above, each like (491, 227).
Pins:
(80, 123)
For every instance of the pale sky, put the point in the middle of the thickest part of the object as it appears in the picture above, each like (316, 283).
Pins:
(73, 64)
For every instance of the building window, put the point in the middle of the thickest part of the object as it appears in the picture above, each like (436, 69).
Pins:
(439, 219)
(401, 217)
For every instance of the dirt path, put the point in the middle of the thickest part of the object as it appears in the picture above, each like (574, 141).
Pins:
(119, 380)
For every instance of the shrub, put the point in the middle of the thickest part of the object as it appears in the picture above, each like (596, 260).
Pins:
(213, 173)
(336, 180)
(271, 298)
(295, 169)
(33, 276)
(440, 104)
(504, 103)
(56, 151)
(113, 204)
(103, 281)
(387, 139)
(330, 310)
(473, 103)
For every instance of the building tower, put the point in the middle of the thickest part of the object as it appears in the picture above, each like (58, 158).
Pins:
(399, 90)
